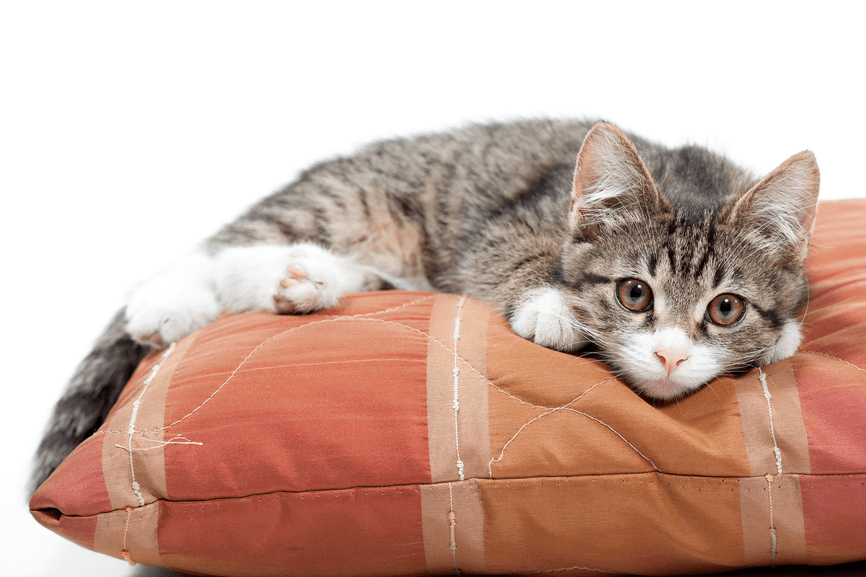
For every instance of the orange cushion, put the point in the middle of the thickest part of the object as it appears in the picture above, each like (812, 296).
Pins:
(411, 433)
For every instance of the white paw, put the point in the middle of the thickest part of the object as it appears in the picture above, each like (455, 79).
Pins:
(178, 301)
(786, 346)
(545, 318)
(295, 279)
(162, 312)
(310, 283)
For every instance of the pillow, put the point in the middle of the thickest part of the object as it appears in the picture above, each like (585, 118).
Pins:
(412, 433)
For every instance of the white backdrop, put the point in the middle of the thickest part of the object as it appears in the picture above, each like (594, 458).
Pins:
(130, 131)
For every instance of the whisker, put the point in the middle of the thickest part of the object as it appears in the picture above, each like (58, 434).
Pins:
(808, 312)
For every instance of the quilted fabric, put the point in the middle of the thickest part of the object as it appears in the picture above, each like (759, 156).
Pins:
(410, 433)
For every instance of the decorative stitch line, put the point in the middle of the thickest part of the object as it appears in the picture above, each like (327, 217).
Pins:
(571, 569)
(769, 479)
(136, 489)
(125, 551)
(452, 526)
(567, 407)
(862, 370)
(159, 444)
(456, 372)
(776, 451)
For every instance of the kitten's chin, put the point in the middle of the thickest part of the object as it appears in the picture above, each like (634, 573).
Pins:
(664, 389)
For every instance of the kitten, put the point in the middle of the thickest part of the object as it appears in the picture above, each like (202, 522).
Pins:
(676, 264)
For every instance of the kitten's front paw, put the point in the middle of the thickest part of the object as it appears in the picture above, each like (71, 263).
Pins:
(311, 281)
(157, 316)
(545, 318)
(788, 343)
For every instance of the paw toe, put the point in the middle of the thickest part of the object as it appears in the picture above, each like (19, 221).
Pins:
(297, 271)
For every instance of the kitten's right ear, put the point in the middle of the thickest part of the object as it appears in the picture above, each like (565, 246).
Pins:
(610, 182)
(781, 207)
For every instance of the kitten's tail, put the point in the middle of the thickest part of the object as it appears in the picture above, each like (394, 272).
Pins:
(91, 393)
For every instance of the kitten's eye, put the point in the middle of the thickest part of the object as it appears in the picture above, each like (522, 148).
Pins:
(725, 310)
(635, 295)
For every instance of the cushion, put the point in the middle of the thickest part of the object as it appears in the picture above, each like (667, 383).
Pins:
(414, 433)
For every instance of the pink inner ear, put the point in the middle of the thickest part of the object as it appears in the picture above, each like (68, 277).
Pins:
(788, 197)
(586, 174)
(610, 173)
(606, 158)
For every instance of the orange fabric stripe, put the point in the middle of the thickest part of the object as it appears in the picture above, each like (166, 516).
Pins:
(642, 523)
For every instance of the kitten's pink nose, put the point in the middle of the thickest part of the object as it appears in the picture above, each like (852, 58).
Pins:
(671, 359)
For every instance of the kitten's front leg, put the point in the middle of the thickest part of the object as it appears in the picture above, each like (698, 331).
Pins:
(298, 278)
(177, 301)
(190, 294)
(544, 317)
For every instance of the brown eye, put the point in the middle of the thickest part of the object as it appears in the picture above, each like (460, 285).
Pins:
(725, 310)
(635, 295)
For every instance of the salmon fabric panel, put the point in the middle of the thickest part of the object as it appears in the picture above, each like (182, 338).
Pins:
(835, 517)
(77, 488)
(833, 397)
(366, 531)
(831, 364)
(325, 404)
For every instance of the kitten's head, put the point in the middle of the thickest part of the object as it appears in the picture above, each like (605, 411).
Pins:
(692, 274)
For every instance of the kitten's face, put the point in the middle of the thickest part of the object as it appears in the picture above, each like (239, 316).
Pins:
(694, 277)
(672, 304)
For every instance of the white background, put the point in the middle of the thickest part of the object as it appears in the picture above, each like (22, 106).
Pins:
(128, 131)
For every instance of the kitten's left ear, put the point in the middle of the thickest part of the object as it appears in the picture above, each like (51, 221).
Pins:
(782, 205)
(611, 183)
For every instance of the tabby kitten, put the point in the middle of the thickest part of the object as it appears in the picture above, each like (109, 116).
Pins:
(675, 264)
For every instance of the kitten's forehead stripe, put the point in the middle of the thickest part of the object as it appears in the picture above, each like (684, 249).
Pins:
(702, 265)
(672, 259)
(720, 275)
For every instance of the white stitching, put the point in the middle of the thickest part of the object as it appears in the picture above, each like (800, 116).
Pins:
(456, 372)
(159, 444)
(571, 569)
(776, 451)
(136, 489)
(862, 370)
(769, 479)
